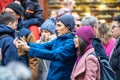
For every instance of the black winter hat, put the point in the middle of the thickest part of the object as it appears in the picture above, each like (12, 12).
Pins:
(16, 7)
(68, 21)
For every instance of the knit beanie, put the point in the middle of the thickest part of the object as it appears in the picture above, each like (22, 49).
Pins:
(68, 21)
(16, 7)
(49, 25)
(86, 33)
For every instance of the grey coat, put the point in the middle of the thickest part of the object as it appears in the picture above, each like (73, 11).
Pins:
(43, 69)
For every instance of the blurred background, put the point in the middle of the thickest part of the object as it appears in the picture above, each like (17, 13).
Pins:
(104, 10)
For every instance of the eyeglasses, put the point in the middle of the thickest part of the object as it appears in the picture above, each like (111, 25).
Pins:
(114, 26)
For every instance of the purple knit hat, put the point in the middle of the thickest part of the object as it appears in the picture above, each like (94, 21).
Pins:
(86, 33)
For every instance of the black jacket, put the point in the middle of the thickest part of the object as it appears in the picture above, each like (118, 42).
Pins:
(38, 11)
(115, 59)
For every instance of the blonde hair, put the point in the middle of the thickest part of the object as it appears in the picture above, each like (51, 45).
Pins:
(104, 32)
(68, 2)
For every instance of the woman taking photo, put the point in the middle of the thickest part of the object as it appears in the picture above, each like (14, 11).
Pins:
(60, 51)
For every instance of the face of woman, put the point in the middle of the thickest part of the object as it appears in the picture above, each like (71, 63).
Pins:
(61, 28)
(96, 31)
(45, 33)
(76, 42)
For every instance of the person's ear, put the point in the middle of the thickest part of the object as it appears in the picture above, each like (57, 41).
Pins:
(17, 16)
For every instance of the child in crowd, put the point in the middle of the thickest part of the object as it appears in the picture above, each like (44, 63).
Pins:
(67, 7)
(33, 13)
(47, 30)
(33, 16)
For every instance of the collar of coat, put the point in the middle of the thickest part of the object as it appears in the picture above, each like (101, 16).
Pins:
(81, 68)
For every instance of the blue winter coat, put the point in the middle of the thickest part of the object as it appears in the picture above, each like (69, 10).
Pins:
(9, 50)
(61, 52)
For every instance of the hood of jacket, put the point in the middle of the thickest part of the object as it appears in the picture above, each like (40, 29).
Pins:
(6, 30)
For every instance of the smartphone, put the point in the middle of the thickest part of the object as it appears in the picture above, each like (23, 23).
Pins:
(17, 34)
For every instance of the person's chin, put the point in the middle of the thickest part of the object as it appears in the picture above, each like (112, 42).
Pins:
(75, 46)
(58, 34)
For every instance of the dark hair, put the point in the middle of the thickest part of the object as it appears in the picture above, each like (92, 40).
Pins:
(117, 18)
(82, 45)
(7, 17)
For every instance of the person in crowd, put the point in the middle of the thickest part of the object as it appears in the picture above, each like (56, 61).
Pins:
(60, 51)
(53, 13)
(47, 30)
(15, 71)
(115, 27)
(9, 51)
(104, 33)
(76, 16)
(67, 7)
(87, 66)
(115, 56)
(33, 13)
(77, 21)
(90, 21)
(17, 10)
(33, 16)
